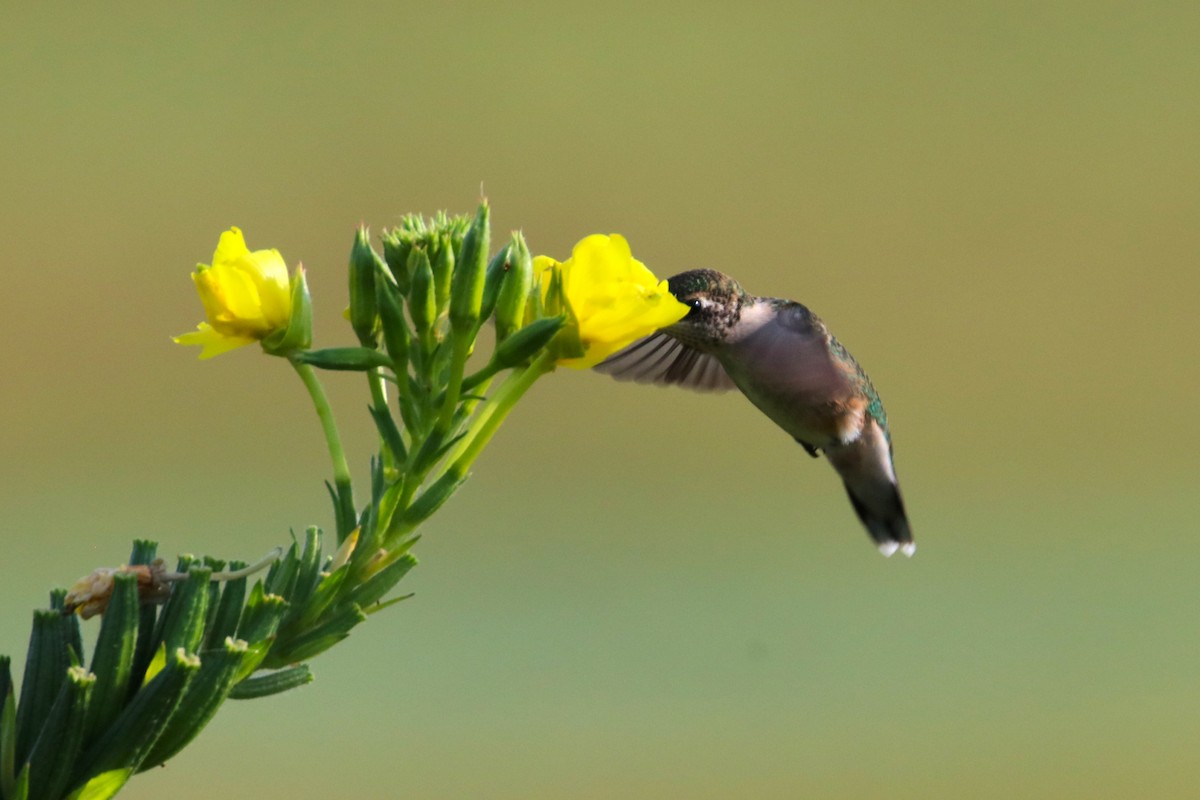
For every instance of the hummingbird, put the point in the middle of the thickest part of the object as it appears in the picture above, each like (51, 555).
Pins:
(785, 361)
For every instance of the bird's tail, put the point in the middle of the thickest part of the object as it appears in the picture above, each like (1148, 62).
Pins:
(866, 468)
(884, 517)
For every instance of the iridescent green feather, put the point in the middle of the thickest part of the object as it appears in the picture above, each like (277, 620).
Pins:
(863, 384)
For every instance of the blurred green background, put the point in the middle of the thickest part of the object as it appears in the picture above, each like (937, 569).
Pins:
(643, 593)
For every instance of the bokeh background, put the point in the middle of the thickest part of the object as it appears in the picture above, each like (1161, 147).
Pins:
(643, 593)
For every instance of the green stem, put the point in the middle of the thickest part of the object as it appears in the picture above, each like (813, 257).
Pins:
(346, 516)
(378, 390)
(472, 383)
(460, 459)
(458, 363)
(489, 421)
(380, 400)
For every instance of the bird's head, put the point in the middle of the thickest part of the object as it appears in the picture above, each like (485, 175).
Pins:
(714, 302)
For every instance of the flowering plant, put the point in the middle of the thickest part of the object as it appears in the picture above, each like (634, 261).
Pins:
(173, 645)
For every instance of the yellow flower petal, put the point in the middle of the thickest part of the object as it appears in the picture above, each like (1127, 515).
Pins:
(246, 296)
(214, 343)
(614, 298)
(231, 246)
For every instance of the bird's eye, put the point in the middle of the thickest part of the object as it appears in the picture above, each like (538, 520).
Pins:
(695, 303)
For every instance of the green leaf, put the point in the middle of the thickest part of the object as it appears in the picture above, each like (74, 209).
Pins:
(229, 609)
(430, 500)
(308, 568)
(320, 600)
(427, 454)
(112, 662)
(103, 786)
(185, 613)
(144, 553)
(272, 683)
(316, 640)
(389, 433)
(214, 594)
(58, 744)
(205, 693)
(126, 742)
(375, 609)
(74, 637)
(45, 670)
(21, 786)
(387, 506)
(262, 616)
(378, 585)
(281, 578)
(156, 665)
(8, 730)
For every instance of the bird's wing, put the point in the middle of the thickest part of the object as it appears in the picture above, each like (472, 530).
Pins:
(666, 361)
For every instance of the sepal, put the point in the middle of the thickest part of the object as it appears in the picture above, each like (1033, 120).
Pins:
(298, 333)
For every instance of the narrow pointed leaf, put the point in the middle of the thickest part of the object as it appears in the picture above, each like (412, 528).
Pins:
(281, 578)
(112, 663)
(229, 609)
(206, 691)
(61, 736)
(126, 742)
(185, 613)
(316, 640)
(389, 433)
(45, 670)
(8, 730)
(272, 683)
(378, 585)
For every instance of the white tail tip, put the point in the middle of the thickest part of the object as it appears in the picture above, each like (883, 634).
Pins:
(888, 548)
(909, 549)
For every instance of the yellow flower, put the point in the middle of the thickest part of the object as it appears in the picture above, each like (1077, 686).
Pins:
(247, 296)
(614, 299)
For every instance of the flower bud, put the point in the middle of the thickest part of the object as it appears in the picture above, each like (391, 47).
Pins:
(497, 270)
(525, 343)
(422, 300)
(396, 250)
(391, 319)
(364, 264)
(514, 292)
(442, 260)
(466, 293)
(345, 359)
